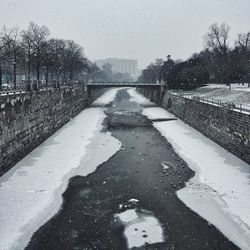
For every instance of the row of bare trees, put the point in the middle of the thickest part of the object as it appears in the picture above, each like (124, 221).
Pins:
(31, 53)
(218, 62)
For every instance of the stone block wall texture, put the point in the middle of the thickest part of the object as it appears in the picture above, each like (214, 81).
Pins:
(228, 128)
(27, 119)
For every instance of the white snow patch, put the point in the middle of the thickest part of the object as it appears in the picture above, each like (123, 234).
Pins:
(118, 112)
(104, 145)
(234, 86)
(157, 113)
(30, 193)
(141, 227)
(133, 200)
(107, 97)
(165, 165)
(208, 204)
(239, 94)
(135, 97)
(127, 216)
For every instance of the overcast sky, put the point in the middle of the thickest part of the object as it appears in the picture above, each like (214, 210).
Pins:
(135, 29)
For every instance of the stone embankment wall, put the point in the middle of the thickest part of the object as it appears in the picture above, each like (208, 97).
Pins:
(228, 128)
(27, 119)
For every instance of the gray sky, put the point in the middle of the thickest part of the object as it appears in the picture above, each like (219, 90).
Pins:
(136, 29)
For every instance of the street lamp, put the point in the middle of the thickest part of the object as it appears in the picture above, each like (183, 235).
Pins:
(14, 73)
(29, 63)
(195, 83)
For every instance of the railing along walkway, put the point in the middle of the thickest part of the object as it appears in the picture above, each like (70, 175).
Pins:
(239, 107)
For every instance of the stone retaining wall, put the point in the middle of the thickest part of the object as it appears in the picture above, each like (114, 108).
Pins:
(228, 128)
(27, 119)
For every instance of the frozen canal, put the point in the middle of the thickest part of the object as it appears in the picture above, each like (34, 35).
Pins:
(110, 179)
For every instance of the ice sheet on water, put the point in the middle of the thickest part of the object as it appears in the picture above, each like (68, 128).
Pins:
(118, 113)
(135, 97)
(141, 227)
(128, 216)
(133, 200)
(165, 165)
(157, 113)
(107, 97)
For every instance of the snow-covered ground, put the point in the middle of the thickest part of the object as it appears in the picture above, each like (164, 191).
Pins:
(107, 97)
(138, 98)
(31, 192)
(234, 86)
(220, 190)
(239, 94)
(157, 113)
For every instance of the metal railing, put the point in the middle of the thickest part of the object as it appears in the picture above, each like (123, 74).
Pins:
(239, 107)
(20, 89)
(123, 83)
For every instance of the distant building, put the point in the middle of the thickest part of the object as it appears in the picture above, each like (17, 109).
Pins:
(120, 65)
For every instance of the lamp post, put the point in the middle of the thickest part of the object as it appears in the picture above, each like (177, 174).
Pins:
(14, 73)
(195, 83)
(58, 80)
(29, 64)
(28, 78)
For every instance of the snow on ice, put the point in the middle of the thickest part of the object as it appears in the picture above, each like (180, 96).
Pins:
(220, 190)
(157, 113)
(135, 97)
(141, 227)
(30, 192)
(107, 97)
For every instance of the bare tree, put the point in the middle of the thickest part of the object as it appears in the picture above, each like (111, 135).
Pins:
(75, 59)
(217, 37)
(11, 41)
(56, 60)
(216, 41)
(2, 57)
(39, 35)
(94, 73)
(49, 51)
(26, 44)
(243, 41)
(243, 45)
(62, 60)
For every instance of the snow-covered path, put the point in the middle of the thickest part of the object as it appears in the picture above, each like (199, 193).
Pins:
(220, 190)
(30, 193)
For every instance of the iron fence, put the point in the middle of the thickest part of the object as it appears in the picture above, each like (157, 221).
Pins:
(239, 107)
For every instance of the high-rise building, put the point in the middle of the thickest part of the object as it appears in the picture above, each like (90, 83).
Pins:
(120, 65)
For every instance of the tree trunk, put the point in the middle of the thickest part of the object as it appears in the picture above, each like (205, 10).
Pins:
(1, 80)
(38, 71)
(29, 66)
(64, 78)
(71, 77)
(47, 75)
(14, 74)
